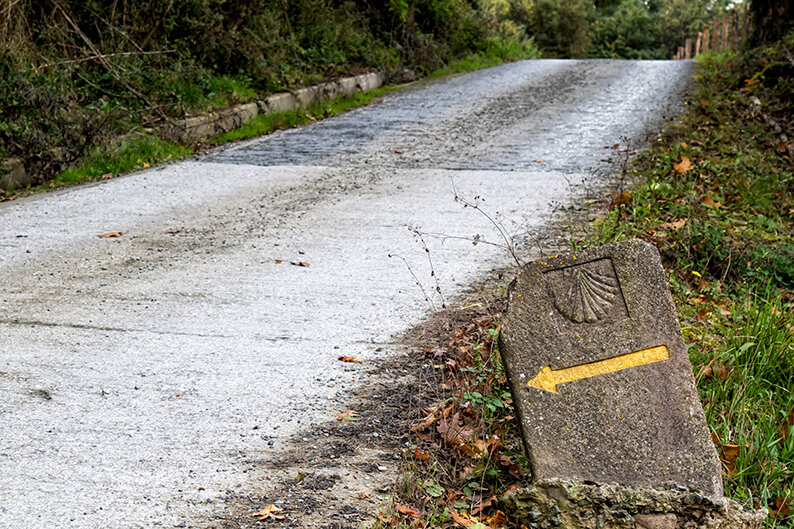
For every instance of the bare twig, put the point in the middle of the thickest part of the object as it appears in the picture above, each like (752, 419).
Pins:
(508, 239)
(418, 234)
(103, 61)
(103, 56)
(416, 279)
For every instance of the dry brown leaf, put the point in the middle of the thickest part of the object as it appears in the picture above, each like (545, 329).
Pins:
(706, 372)
(363, 495)
(350, 359)
(278, 261)
(498, 520)
(710, 202)
(310, 117)
(729, 452)
(146, 165)
(621, 199)
(299, 263)
(683, 166)
(453, 433)
(173, 231)
(781, 506)
(674, 225)
(684, 145)
(346, 414)
(462, 519)
(539, 160)
(421, 456)
(110, 235)
(402, 509)
(701, 315)
(398, 151)
(482, 506)
(271, 511)
(107, 176)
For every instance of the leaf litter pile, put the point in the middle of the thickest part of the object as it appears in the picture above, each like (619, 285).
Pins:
(465, 449)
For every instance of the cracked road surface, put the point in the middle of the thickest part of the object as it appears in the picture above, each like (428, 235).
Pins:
(143, 378)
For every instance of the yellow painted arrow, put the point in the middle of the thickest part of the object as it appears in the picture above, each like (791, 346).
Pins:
(548, 379)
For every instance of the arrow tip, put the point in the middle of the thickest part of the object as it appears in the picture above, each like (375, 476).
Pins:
(544, 380)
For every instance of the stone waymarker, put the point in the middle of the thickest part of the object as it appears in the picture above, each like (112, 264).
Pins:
(600, 375)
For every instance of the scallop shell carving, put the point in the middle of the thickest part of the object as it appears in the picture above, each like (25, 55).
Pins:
(585, 295)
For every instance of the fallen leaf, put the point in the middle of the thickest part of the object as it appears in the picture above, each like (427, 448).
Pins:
(421, 456)
(683, 166)
(299, 263)
(782, 148)
(781, 506)
(710, 202)
(398, 151)
(278, 261)
(704, 104)
(110, 234)
(173, 231)
(701, 315)
(453, 433)
(462, 519)
(146, 165)
(350, 359)
(271, 511)
(349, 414)
(684, 145)
(309, 116)
(364, 495)
(498, 520)
(107, 176)
(482, 506)
(402, 509)
(675, 225)
(621, 199)
(539, 160)
(729, 454)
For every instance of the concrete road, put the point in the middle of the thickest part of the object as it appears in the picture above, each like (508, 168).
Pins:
(140, 375)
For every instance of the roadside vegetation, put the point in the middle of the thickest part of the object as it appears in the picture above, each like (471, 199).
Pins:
(714, 193)
(85, 87)
(80, 81)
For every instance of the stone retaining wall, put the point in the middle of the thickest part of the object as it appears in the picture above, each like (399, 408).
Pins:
(197, 128)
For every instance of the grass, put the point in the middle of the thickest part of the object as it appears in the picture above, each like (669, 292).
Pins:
(129, 154)
(267, 123)
(714, 195)
(497, 53)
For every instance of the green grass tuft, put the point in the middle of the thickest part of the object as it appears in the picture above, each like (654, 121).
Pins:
(129, 154)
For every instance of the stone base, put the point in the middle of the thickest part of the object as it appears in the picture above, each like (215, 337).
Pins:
(554, 503)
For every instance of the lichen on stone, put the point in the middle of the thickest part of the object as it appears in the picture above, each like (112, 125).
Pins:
(552, 503)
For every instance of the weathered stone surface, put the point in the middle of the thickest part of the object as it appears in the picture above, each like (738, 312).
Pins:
(13, 175)
(572, 504)
(212, 124)
(600, 374)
